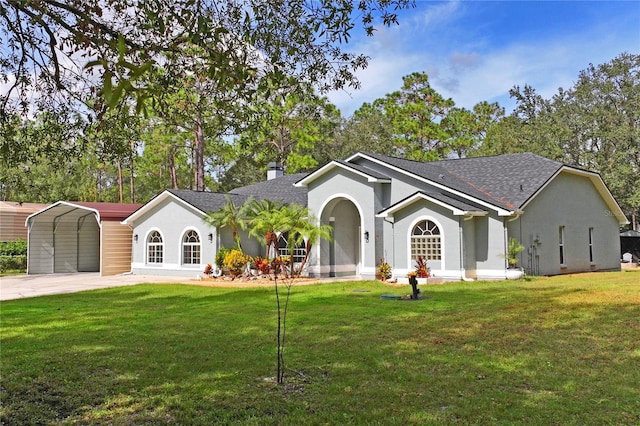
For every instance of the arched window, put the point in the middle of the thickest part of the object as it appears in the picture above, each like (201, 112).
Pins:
(425, 241)
(154, 248)
(299, 251)
(191, 248)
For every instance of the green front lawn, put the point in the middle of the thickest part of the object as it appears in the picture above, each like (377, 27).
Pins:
(563, 350)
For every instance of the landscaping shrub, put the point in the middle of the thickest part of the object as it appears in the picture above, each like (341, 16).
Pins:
(236, 261)
(13, 248)
(13, 255)
(220, 255)
(13, 263)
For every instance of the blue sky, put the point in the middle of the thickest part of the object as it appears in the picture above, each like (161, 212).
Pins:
(476, 51)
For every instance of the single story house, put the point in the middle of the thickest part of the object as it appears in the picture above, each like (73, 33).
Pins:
(79, 237)
(459, 214)
(171, 238)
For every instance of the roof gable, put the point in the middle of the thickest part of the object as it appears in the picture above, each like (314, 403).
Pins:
(369, 174)
(504, 182)
(457, 207)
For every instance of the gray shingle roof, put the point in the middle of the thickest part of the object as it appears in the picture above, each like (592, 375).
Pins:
(506, 181)
(205, 201)
(461, 205)
(363, 169)
(278, 189)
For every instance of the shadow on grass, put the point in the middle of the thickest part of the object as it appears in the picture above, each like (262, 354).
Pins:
(153, 354)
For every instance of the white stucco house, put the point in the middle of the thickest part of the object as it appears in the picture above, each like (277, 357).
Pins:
(459, 214)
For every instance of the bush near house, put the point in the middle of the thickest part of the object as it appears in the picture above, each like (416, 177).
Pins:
(13, 256)
(236, 261)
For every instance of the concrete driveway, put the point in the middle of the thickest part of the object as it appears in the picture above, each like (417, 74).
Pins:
(17, 287)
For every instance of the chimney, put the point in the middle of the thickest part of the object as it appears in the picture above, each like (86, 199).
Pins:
(275, 170)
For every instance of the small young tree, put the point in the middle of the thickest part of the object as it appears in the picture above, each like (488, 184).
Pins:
(268, 220)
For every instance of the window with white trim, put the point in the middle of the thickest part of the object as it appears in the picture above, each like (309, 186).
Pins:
(155, 248)
(591, 245)
(426, 241)
(299, 251)
(191, 248)
(561, 245)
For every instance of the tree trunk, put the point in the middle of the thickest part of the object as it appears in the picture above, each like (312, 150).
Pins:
(172, 168)
(120, 184)
(132, 192)
(199, 154)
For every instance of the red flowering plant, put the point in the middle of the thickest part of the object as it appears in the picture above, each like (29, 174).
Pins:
(422, 270)
(208, 270)
(262, 265)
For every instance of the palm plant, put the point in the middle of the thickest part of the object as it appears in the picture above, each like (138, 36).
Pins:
(235, 217)
(305, 230)
(264, 219)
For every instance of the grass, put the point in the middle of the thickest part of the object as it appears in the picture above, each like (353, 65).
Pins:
(562, 350)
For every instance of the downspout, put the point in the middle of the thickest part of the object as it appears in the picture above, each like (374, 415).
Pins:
(28, 244)
(463, 275)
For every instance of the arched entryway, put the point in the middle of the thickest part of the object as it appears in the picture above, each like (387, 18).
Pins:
(343, 255)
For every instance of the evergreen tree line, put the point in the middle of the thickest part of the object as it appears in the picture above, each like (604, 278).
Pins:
(194, 138)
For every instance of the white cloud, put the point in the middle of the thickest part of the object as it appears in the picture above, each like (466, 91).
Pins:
(465, 67)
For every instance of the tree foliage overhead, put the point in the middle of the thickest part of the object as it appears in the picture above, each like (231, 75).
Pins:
(245, 45)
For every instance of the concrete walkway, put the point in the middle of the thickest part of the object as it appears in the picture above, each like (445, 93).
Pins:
(20, 286)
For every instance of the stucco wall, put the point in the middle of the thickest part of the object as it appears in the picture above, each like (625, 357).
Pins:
(172, 219)
(405, 220)
(324, 196)
(572, 201)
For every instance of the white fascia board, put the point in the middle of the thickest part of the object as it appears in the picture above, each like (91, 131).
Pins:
(412, 199)
(332, 165)
(597, 181)
(154, 202)
(500, 211)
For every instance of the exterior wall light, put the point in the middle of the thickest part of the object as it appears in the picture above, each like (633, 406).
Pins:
(366, 236)
(135, 238)
(210, 236)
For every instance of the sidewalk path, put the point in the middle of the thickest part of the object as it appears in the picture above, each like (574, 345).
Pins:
(20, 286)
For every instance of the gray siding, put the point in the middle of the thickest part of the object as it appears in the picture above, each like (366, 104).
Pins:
(88, 251)
(40, 248)
(66, 247)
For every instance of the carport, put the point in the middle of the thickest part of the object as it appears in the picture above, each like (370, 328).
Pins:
(79, 237)
(630, 243)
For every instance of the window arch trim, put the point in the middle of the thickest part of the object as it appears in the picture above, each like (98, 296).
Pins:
(154, 250)
(440, 236)
(190, 251)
